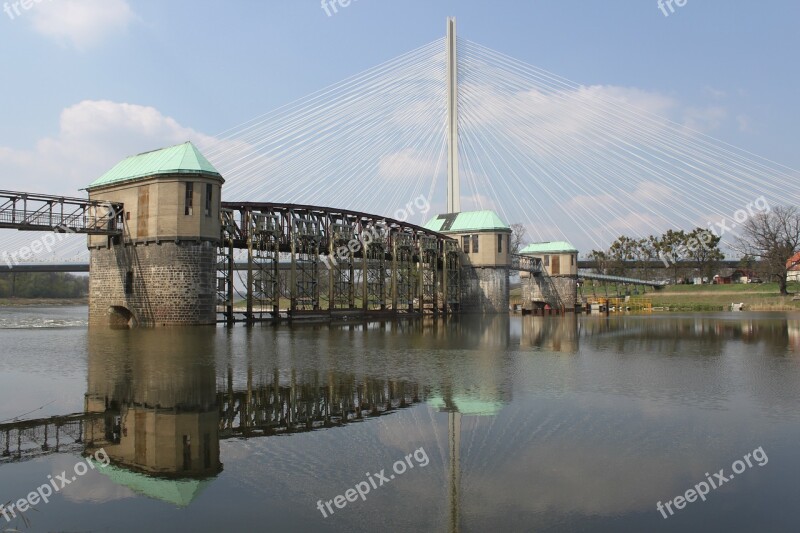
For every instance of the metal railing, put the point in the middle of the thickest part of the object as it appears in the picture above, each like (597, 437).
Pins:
(41, 212)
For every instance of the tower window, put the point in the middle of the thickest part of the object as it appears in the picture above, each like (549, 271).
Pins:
(475, 244)
(499, 244)
(209, 192)
(465, 243)
(128, 282)
(188, 202)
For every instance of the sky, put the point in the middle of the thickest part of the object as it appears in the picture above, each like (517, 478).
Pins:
(89, 82)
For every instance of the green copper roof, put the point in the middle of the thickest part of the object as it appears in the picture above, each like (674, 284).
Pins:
(468, 406)
(179, 159)
(178, 492)
(549, 248)
(467, 221)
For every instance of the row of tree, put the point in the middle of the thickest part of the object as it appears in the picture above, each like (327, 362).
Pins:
(649, 257)
(42, 285)
(768, 242)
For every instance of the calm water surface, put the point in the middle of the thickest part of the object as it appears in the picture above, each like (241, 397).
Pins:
(500, 424)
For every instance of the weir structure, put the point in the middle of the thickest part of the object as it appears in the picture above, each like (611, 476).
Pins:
(177, 260)
(318, 262)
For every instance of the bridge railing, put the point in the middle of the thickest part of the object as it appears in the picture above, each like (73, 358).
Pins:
(526, 263)
(40, 212)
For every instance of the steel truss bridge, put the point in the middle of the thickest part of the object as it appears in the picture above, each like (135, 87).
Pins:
(340, 263)
(41, 212)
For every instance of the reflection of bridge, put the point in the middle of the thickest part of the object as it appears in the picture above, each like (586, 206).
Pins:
(273, 409)
(257, 411)
(28, 439)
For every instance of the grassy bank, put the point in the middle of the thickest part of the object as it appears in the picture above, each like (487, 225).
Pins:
(755, 297)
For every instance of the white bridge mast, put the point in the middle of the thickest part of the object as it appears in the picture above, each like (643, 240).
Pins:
(453, 183)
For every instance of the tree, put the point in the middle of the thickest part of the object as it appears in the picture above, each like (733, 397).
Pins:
(621, 251)
(600, 259)
(703, 248)
(772, 237)
(518, 233)
(670, 248)
(644, 253)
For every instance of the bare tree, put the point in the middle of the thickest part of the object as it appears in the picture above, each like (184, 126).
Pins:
(772, 238)
(518, 233)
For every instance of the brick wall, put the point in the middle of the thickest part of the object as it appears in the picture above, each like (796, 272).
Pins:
(484, 290)
(538, 289)
(173, 284)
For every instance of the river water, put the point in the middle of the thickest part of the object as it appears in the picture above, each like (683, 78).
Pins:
(471, 424)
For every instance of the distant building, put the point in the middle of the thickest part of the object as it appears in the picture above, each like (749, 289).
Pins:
(486, 259)
(558, 287)
(559, 258)
(793, 266)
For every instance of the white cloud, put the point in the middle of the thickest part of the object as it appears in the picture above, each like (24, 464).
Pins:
(82, 23)
(93, 136)
(706, 119)
(407, 164)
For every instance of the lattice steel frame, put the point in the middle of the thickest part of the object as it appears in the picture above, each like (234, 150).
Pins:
(373, 267)
(428, 279)
(403, 272)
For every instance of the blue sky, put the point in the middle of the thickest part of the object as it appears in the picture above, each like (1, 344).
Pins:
(87, 82)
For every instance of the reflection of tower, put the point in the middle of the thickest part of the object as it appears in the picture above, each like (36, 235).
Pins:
(556, 334)
(454, 440)
(158, 391)
(456, 407)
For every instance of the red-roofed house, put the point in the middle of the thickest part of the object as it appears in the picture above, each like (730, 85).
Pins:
(793, 266)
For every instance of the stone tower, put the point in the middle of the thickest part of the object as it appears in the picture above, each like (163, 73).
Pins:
(162, 270)
(558, 284)
(485, 258)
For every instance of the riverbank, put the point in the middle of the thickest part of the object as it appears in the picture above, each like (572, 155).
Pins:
(42, 302)
(755, 297)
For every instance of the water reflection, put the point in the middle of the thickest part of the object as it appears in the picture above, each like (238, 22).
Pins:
(563, 422)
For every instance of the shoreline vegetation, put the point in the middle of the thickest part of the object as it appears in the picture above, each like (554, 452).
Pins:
(754, 296)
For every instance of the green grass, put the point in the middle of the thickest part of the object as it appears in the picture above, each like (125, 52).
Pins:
(768, 288)
(755, 296)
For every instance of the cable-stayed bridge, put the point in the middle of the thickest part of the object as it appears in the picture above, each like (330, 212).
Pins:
(456, 126)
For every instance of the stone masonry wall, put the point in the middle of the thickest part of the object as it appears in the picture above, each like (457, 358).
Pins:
(539, 289)
(484, 289)
(173, 284)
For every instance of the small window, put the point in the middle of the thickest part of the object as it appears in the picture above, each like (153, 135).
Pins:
(188, 200)
(547, 260)
(499, 244)
(209, 192)
(475, 244)
(465, 244)
(129, 283)
(187, 452)
(572, 260)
